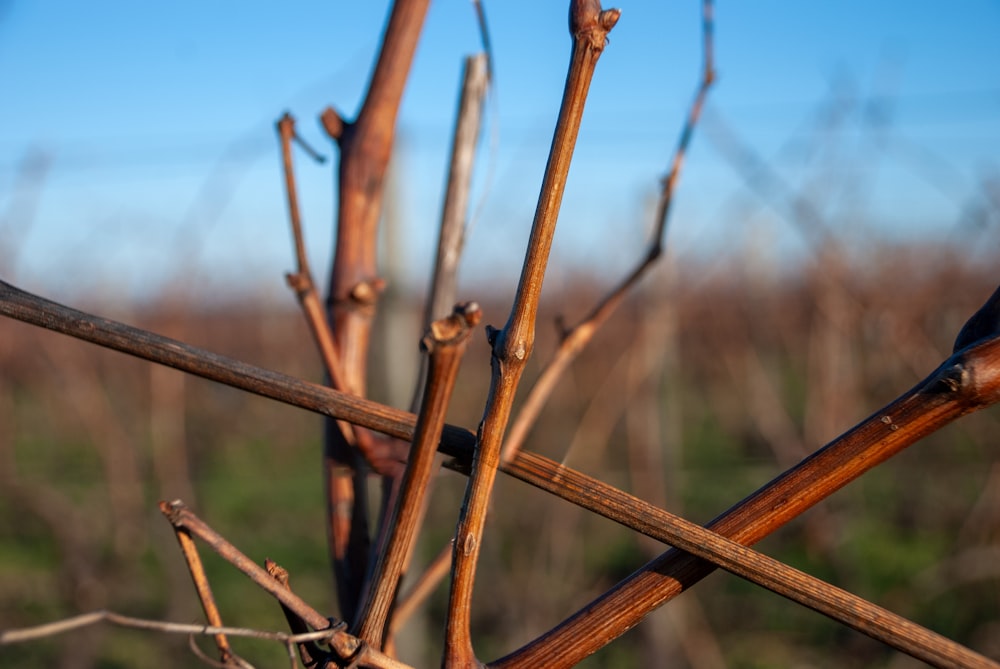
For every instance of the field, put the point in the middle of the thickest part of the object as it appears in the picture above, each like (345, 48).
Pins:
(709, 382)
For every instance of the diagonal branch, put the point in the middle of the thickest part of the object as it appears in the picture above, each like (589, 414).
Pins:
(204, 591)
(456, 441)
(967, 381)
(301, 281)
(445, 341)
(29, 308)
(512, 345)
(576, 339)
(346, 647)
(182, 518)
(382, 460)
(799, 587)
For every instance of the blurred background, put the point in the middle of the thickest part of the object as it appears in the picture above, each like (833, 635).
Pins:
(836, 223)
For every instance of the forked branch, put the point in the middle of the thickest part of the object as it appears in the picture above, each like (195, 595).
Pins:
(345, 647)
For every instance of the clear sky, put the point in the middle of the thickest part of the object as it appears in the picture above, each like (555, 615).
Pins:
(149, 127)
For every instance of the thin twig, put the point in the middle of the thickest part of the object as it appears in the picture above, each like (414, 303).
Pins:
(308, 651)
(454, 214)
(301, 281)
(347, 647)
(182, 517)
(446, 342)
(367, 657)
(310, 151)
(204, 590)
(484, 36)
(24, 634)
(512, 345)
(577, 338)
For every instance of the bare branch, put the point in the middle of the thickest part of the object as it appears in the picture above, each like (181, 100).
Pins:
(347, 648)
(24, 634)
(301, 281)
(29, 308)
(182, 518)
(204, 590)
(737, 559)
(365, 147)
(446, 343)
(967, 381)
(456, 200)
(367, 658)
(576, 339)
(511, 346)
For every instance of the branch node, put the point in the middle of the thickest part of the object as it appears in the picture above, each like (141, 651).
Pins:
(444, 331)
(172, 510)
(297, 282)
(286, 125)
(588, 22)
(277, 572)
(608, 19)
(365, 293)
(333, 123)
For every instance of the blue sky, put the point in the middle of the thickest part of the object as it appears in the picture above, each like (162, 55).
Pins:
(153, 124)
